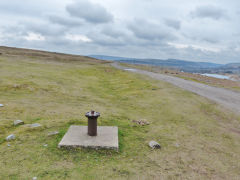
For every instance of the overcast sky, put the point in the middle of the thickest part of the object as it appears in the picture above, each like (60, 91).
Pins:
(196, 30)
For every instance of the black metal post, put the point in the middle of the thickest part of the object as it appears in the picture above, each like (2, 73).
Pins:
(92, 122)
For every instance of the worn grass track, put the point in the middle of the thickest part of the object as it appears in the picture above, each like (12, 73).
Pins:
(199, 139)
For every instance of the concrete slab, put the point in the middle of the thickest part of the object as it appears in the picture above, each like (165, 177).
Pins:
(76, 136)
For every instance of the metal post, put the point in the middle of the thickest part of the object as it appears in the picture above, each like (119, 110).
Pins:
(92, 122)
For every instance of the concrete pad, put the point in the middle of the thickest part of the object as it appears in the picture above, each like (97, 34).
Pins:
(76, 136)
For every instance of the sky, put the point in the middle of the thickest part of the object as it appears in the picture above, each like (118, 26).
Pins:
(194, 30)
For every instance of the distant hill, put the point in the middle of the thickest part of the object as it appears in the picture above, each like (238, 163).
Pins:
(182, 65)
(232, 68)
(232, 65)
(188, 66)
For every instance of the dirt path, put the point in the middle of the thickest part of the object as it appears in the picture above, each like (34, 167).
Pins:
(227, 98)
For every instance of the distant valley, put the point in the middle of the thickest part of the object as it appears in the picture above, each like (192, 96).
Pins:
(182, 65)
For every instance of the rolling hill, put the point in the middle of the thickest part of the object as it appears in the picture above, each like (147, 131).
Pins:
(187, 66)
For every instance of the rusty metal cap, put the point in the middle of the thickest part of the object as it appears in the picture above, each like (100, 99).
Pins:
(92, 114)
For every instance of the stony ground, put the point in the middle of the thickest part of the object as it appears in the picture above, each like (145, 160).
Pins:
(199, 139)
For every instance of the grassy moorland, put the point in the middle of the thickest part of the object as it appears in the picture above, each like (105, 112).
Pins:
(199, 139)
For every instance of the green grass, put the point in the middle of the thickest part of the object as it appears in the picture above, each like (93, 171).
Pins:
(57, 95)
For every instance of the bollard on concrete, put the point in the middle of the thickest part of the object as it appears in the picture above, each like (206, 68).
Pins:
(92, 122)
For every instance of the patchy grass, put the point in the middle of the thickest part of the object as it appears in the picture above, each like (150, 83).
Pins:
(197, 137)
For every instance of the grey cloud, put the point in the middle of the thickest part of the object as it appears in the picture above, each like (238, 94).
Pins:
(212, 12)
(15, 34)
(112, 32)
(173, 23)
(93, 13)
(107, 41)
(108, 37)
(43, 28)
(208, 37)
(212, 40)
(16, 7)
(148, 31)
(112, 36)
(28, 8)
(148, 36)
(65, 21)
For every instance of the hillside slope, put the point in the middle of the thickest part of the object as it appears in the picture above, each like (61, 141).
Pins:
(51, 56)
(199, 139)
